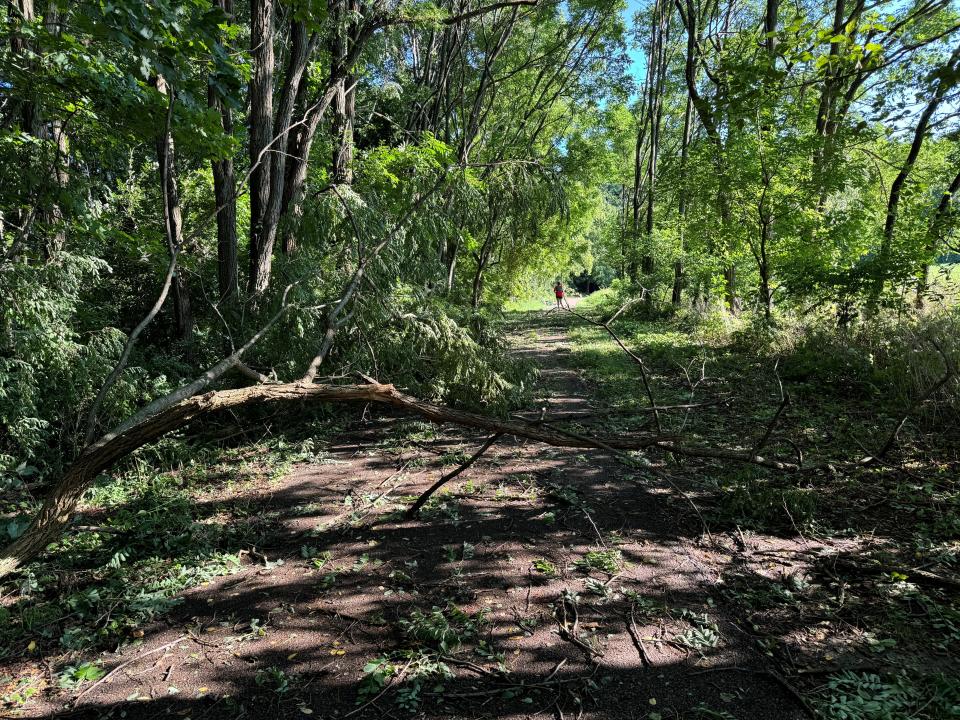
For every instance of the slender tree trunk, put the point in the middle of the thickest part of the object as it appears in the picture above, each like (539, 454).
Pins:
(295, 185)
(766, 217)
(640, 167)
(945, 83)
(624, 250)
(477, 294)
(763, 265)
(173, 226)
(343, 105)
(675, 297)
(57, 134)
(483, 258)
(224, 195)
(935, 234)
(662, 35)
(688, 14)
(770, 26)
(19, 13)
(261, 131)
(829, 116)
(343, 117)
(453, 247)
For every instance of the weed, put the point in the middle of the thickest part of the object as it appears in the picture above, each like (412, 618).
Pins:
(74, 675)
(273, 678)
(318, 556)
(445, 629)
(642, 605)
(439, 508)
(595, 587)
(868, 696)
(19, 691)
(544, 566)
(417, 667)
(487, 652)
(703, 634)
(608, 561)
(565, 495)
(698, 638)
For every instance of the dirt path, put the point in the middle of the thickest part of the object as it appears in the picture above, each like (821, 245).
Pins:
(344, 575)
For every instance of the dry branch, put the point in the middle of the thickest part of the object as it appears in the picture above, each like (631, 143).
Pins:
(421, 501)
(155, 421)
(632, 355)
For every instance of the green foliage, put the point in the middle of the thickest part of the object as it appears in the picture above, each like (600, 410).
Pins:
(74, 675)
(158, 541)
(274, 679)
(444, 629)
(545, 567)
(758, 504)
(868, 696)
(608, 561)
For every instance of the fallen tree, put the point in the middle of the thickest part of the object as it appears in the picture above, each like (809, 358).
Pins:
(62, 500)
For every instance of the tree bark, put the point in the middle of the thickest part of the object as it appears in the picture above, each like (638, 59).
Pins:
(173, 227)
(260, 133)
(678, 279)
(59, 505)
(662, 34)
(770, 26)
(344, 98)
(225, 195)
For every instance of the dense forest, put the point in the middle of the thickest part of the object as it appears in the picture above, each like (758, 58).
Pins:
(253, 226)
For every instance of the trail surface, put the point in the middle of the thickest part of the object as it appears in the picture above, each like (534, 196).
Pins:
(643, 631)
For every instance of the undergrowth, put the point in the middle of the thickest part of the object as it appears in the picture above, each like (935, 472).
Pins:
(174, 516)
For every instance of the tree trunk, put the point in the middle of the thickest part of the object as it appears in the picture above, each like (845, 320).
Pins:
(343, 115)
(173, 227)
(224, 195)
(946, 82)
(770, 26)
(261, 130)
(660, 39)
(344, 102)
(939, 226)
(59, 505)
(688, 14)
(677, 293)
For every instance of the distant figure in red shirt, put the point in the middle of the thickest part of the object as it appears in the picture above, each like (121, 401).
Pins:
(558, 291)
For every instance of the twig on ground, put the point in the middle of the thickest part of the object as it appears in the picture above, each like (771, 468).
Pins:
(393, 681)
(595, 529)
(637, 640)
(121, 666)
(571, 632)
(421, 501)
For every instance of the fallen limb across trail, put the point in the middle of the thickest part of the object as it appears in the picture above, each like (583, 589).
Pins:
(60, 503)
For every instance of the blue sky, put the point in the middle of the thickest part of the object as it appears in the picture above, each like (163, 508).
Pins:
(638, 62)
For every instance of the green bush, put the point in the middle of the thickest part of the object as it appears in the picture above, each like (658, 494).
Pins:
(868, 696)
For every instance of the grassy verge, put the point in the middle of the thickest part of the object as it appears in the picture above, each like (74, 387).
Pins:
(898, 518)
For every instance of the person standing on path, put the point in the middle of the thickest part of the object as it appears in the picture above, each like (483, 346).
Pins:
(558, 291)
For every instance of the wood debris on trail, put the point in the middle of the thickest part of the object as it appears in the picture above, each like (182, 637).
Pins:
(544, 580)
